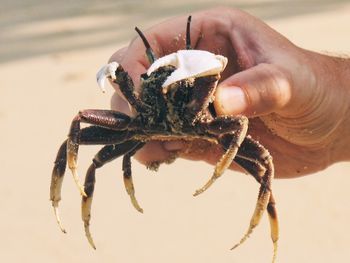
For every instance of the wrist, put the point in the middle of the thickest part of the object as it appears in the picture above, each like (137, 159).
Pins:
(333, 79)
(341, 146)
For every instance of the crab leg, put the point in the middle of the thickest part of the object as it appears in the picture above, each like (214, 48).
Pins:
(106, 154)
(89, 135)
(105, 118)
(87, 200)
(129, 186)
(203, 90)
(273, 219)
(253, 156)
(234, 141)
(57, 179)
(255, 169)
(120, 77)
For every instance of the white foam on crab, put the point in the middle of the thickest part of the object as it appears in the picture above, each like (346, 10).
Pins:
(106, 72)
(190, 64)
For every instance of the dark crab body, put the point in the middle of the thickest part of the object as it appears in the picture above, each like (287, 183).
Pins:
(172, 105)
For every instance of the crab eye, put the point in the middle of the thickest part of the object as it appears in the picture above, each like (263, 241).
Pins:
(212, 109)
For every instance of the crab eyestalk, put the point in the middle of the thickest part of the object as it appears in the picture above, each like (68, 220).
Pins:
(188, 33)
(149, 52)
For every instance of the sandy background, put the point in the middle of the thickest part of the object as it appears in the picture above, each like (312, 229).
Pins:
(49, 53)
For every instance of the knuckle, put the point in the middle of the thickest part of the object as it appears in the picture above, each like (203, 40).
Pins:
(277, 87)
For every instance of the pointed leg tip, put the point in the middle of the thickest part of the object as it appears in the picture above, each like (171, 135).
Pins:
(135, 203)
(89, 237)
(198, 192)
(205, 187)
(139, 209)
(234, 247)
(274, 252)
(91, 242)
(63, 230)
(92, 245)
(58, 220)
(243, 239)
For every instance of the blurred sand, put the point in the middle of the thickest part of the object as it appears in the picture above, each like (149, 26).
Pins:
(49, 54)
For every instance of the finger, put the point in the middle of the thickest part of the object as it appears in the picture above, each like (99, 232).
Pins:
(118, 101)
(152, 152)
(199, 150)
(118, 56)
(120, 104)
(195, 150)
(256, 91)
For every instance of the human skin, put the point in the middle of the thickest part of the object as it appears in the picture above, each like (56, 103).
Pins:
(298, 101)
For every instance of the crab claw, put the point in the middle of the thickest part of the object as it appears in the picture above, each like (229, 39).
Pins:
(171, 59)
(189, 64)
(107, 71)
(222, 60)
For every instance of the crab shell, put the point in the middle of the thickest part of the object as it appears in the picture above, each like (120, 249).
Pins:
(188, 64)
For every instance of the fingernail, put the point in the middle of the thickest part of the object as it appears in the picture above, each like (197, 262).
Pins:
(172, 146)
(230, 100)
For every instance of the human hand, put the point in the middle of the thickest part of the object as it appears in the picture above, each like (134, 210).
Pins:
(297, 100)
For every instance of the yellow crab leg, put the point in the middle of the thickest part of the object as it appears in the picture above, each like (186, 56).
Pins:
(264, 198)
(56, 181)
(87, 201)
(271, 209)
(72, 156)
(226, 160)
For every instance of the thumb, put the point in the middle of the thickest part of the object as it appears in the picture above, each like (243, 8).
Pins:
(256, 91)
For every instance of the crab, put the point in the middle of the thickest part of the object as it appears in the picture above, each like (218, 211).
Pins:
(175, 103)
